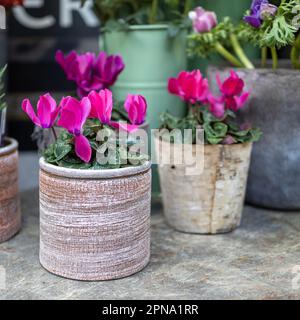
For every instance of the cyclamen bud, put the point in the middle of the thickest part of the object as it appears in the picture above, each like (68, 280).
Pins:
(203, 21)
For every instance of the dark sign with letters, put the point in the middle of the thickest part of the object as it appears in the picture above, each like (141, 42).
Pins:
(35, 32)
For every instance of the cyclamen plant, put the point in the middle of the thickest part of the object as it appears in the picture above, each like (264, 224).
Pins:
(265, 25)
(215, 114)
(90, 72)
(80, 146)
(120, 14)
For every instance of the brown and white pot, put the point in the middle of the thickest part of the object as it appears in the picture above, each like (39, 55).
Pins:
(208, 201)
(10, 213)
(94, 224)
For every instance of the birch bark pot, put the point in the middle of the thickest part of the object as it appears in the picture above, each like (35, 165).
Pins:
(274, 177)
(10, 213)
(94, 225)
(208, 201)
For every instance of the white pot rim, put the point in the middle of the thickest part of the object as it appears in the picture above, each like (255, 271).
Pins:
(11, 147)
(93, 174)
(206, 145)
(283, 70)
(146, 27)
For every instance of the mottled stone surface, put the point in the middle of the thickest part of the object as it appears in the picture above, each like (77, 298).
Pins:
(254, 262)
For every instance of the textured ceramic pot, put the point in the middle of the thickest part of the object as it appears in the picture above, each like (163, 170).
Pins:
(10, 213)
(94, 225)
(2, 126)
(209, 201)
(151, 57)
(274, 177)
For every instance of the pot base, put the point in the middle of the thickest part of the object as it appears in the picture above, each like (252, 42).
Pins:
(96, 277)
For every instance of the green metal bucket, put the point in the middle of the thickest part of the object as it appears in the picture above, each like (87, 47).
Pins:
(151, 57)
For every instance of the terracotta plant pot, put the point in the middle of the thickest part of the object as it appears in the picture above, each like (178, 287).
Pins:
(94, 225)
(274, 176)
(210, 202)
(10, 213)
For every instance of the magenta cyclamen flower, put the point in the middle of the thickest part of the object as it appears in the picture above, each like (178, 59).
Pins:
(233, 98)
(260, 9)
(91, 72)
(203, 21)
(73, 116)
(189, 86)
(232, 86)
(101, 109)
(102, 105)
(47, 111)
(136, 106)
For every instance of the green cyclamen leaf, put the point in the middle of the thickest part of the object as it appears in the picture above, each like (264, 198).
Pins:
(61, 150)
(220, 129)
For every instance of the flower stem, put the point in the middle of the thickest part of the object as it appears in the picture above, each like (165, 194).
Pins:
(227, 55)
(54, 133)
(264, 55)
(274, 57)
(187, 7)
(240, 52)
(153, 12)
(295, 53)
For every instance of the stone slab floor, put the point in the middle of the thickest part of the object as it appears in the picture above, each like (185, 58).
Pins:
(257, 261)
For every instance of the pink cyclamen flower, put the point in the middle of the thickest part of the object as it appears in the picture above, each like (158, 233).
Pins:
(91, 72)
(101, 109)
(102, 105)
(233, 98)
(189, 86)
(232, 86)
(47, 111)
(216, 105)
(228, 140)
(237, 102)
(136, 106)
(203, 21)
(74, 114)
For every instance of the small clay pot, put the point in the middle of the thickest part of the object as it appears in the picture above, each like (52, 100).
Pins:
(209, 201)
(10, 213)
(94, 224)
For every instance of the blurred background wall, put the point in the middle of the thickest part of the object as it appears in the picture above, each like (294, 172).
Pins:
(34, 34)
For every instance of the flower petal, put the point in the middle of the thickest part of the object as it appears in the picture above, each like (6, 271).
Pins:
(124, 126)
(101, 105)
(83, 148)
(45, 107)
(27, 107)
